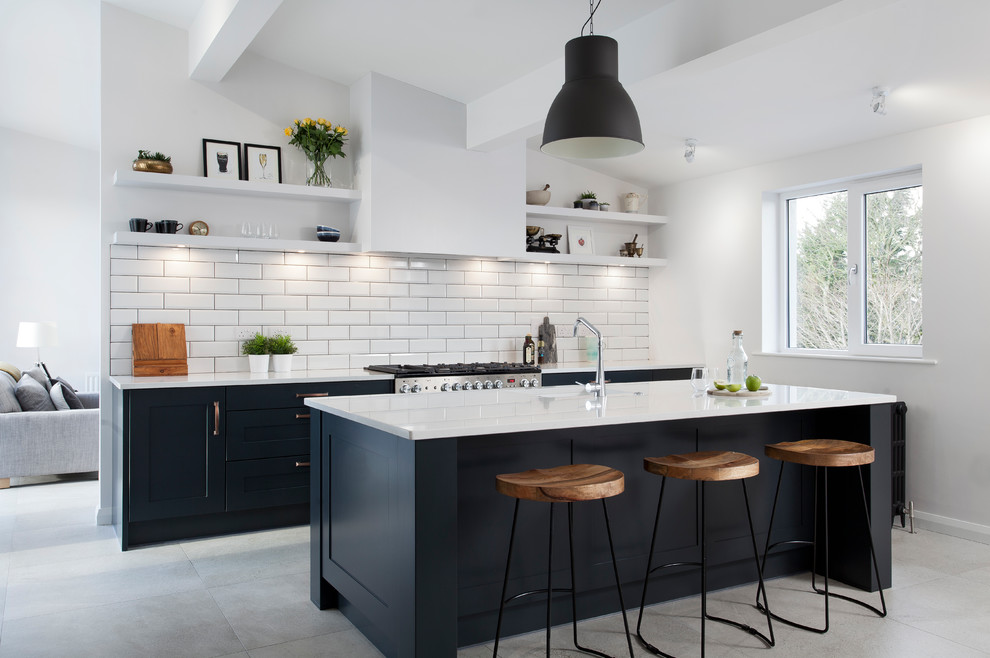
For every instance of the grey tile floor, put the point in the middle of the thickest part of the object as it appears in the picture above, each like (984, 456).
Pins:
(66, 589)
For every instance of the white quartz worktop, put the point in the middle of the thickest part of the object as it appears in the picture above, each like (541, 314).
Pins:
(129, 382)
(469, 413)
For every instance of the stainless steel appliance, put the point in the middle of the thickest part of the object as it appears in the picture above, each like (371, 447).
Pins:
(461, 376)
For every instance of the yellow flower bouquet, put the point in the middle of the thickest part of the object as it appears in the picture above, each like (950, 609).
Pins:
(319, 140)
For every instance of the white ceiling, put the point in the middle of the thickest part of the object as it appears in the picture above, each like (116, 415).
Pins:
(752, 81)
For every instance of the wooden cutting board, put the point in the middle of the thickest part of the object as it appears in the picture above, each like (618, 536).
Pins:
(159, 349)
(764, 392)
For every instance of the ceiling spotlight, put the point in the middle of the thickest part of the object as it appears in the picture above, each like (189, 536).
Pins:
(879, 102)
(689, 147)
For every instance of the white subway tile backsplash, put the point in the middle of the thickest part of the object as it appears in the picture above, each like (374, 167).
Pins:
(236, 271)
(292, 258)
(177, 300)
(163, 253)
(213, 255)
(262, 257)
(261, 317)
(446, 304)
(239, 302)
(215, 318)
(260, 287)
(284, 271)
(200, 365)
(123, 266)
(307, 318)
(329, 303)
(330, 332)
(137, 300)
(188, 268)
(347, 310)
(369, 303)
(172, 316)
(224, 286)
(123, 284)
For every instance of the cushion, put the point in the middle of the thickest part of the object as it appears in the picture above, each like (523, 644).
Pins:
(39, 376)
(32, 396)
(12, 369)
(8, 398)
(63, 397)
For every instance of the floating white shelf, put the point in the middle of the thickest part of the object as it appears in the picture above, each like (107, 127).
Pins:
(128, 178)
(225, 242)
(588, 259)
(597, 216)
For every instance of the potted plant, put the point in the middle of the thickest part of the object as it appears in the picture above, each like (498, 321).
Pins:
(589, 200)
(256, 349)
(282, 348)
(603, 205)
(156, 162)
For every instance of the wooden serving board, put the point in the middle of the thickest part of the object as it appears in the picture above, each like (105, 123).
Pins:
(762, 393)
(159, 349)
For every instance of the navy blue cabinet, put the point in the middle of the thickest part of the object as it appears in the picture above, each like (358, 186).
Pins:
(551, 378)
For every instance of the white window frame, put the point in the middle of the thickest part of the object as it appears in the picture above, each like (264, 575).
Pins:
(856, 190)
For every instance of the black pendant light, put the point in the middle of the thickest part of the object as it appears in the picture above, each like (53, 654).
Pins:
(592, 115)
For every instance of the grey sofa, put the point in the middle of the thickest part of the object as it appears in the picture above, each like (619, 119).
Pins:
(50, 442)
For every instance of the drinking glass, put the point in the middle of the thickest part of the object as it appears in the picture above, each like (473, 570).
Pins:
(699, 379)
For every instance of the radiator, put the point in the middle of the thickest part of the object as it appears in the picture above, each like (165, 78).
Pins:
(898, 463)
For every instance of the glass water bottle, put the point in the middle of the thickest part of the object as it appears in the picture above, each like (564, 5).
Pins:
(737, 363)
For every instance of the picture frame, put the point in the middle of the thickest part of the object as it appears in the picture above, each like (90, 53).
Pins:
(221, 159)
(262, 163)
(580, 240)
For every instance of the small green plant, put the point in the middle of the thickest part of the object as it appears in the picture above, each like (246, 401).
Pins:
(147, 155)
(256, 345)
(589, 195)
(604, 203)
(281, 344)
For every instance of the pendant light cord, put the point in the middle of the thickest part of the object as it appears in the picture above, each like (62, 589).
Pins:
(592, 8)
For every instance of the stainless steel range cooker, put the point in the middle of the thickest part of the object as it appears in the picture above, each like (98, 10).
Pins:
(461, 376)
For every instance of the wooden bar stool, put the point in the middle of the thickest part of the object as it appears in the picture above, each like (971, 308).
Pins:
(712, 466)
(561, 484)
(823, 454)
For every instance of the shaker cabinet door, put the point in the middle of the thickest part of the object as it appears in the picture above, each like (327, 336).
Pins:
(177, 463)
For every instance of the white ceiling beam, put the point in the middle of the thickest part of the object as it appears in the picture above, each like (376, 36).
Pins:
(221, 33)
(685, 32)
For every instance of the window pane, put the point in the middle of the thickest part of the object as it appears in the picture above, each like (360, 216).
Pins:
(817, 229)
(893, 283)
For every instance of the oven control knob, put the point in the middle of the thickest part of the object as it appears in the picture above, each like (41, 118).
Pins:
(404, 388)
(489, 384)
(525, 383)
(445, 386)
(535, 382)
(478, 385)
(498, 383)
(457, 386)
(417, 389)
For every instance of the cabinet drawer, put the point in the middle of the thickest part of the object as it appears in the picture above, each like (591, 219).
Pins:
(280, 396)
(267, 433)
(257, 483)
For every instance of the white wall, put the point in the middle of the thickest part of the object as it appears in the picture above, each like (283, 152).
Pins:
(49, 251)
(713, 285)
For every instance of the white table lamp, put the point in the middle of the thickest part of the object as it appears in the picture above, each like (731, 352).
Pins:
(38, 335)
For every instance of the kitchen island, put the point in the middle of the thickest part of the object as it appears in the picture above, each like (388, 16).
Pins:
(409, 536)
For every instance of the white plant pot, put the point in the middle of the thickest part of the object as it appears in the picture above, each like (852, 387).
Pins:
(258, 362)
(283, 362)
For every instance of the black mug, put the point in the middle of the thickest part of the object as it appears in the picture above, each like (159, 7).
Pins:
(139, 225)
(167, 226)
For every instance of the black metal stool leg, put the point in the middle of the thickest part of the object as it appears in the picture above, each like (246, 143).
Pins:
(704, 569)
(505, 580)
(618, 584)
(646, 580)
(767, 546)
(549, 576)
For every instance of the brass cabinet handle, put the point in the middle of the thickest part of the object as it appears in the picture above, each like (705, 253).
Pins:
(312, 395)
(216, 418)
(298, 416)
(301, 464)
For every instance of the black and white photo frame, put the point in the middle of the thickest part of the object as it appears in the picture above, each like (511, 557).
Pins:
(221, 159)
(262, 163)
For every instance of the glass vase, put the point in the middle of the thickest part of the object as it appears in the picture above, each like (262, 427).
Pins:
(316, 172)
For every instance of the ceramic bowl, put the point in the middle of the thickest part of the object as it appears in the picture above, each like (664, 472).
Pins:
(331, 229)
(538, 197)
(328, 236)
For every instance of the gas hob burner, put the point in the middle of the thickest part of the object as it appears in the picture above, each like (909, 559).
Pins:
(461, 376)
